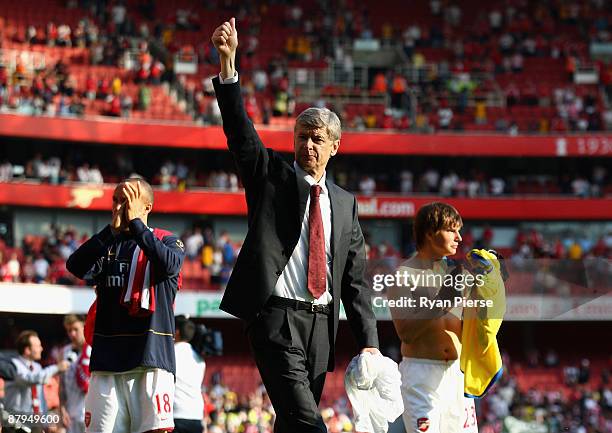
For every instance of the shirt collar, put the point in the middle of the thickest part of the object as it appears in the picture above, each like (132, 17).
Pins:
(301, 174)
(26, 361)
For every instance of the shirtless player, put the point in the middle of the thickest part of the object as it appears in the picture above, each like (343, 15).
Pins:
(432, 382)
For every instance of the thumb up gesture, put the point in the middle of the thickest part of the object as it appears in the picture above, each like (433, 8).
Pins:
(225, 39)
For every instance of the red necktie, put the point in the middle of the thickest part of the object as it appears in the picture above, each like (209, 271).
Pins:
(317, 266)
(35, 401)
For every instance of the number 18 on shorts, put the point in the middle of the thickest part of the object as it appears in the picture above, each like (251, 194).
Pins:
(135, 401)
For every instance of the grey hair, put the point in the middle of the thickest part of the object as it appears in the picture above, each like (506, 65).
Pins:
(317, 118)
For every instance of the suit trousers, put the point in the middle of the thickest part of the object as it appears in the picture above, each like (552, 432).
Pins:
(188, 426)
(291, 350)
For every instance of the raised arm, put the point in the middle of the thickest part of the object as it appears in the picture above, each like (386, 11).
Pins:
(225, 40)
(25, 376)
(249, 153)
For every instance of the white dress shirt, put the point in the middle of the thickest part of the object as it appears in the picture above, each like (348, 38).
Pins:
(293, 282)
(230, 80)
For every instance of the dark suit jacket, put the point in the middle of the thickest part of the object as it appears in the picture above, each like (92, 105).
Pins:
(276, 203)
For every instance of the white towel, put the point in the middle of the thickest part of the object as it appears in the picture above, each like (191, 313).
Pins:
(372, 383)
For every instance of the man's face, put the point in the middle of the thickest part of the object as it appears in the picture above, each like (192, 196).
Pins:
(313, 148)
(75, 333)
(34, 352)
(445, 242)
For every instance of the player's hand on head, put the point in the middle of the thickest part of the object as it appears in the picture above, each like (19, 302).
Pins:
(225, 38)
(134, 203)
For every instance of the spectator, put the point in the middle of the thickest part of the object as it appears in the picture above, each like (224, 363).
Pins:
(194, 243)
(144, 97)
(74, 382)
(41, 269)
(83, 173)
(517, 62)
(367, 185)
(551, 359)
(157, 70)
(445, 116)
(116, 86)
(28, 271)
(584, 372)
(228, 254)
(118, 14)
(497, 186)
(480, 112)
(6, 171)
(574, 252)
(260, 80)
(13, 269)
(126, 105)
(398, 89)
(25, 393)
(406, 184)
(379, 85)
(190, 368)
(448, 184)
(430, 180)
(581, 187)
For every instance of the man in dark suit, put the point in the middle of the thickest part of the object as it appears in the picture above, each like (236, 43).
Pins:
(303, 254)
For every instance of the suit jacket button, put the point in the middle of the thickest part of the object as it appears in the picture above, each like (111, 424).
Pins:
(278, 273)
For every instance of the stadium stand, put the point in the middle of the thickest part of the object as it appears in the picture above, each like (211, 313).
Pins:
(491, 71)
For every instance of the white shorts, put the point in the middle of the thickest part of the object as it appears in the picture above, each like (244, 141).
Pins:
(134, 401)
(433, 397)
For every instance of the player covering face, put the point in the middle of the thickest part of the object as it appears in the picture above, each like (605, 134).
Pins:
(136, 272)
(131, 199)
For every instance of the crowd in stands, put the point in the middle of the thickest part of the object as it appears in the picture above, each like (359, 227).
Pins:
(575, 403)
(56, 91)
(509, 68)
(228, 411)
(543, 393)
(572, 407)
(41, 258)
(532, 244)
(458, 65)
(475, 184)
(181, 175)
